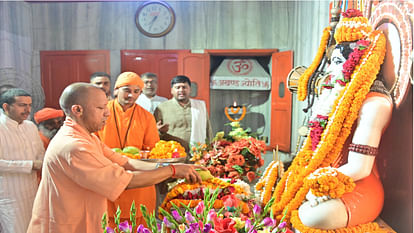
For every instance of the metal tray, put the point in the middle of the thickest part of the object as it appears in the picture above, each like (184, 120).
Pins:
(171, 160)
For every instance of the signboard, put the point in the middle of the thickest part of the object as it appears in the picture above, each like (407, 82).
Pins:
(240, 74)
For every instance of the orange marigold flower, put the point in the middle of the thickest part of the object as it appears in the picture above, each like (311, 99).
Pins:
(251, 176)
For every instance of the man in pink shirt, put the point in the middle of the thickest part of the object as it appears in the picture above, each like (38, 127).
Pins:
(80, 173)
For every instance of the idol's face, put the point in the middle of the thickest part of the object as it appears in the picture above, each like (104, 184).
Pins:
(127, 95)
(20, 109)
(337, 63)
(181, 92)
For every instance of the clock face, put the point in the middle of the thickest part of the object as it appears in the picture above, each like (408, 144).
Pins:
(155, 19)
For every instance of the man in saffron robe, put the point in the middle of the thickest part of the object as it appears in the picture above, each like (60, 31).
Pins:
(80, 172)
(49, 121)
(130, 125)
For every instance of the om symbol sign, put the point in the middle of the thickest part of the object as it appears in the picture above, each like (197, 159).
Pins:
(239, 66)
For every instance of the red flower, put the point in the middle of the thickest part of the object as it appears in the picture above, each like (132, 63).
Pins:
(229, 167)
(350, 13)
(230, 200)
(251, 176)
(234, 175)
(224, 225)
(236, 160)
(364, 43)
(213, 170)
(261, 162)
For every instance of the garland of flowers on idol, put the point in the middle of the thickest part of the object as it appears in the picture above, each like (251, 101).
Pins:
(328, 181)
(291, 190)
(262, 181)
(304, 78)
(264, 187)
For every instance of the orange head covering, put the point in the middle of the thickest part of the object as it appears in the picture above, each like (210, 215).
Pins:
(352, 27)
(129, 78)
(46, 114)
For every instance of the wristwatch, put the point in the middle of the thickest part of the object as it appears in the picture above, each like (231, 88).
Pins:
(161, 165)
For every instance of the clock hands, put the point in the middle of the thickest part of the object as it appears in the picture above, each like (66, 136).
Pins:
(152, 22)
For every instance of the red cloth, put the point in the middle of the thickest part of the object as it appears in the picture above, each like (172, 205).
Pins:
(46, 114)
(129, 78)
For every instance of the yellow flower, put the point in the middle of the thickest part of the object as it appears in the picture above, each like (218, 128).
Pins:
(304, 78)
(235, 124)
(265, 230)
(239, 223)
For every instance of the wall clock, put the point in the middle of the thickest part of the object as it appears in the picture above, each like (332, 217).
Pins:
(155, 18)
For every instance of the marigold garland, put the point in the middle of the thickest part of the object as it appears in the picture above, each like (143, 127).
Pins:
(352, 27)
(330, 182)
(267, 182)
(262, 181)
(174, 195)
(291, 191)
(304, 78)
(367, 227)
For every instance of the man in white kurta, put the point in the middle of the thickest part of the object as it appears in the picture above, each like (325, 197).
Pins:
(21, 153)
(148, 98)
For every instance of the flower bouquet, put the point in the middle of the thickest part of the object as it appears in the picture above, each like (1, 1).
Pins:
(205, 217)
(190, 195)
(237, 155)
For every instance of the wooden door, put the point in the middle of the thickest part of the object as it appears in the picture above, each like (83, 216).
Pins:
(281, 113)
(164, 63)
(61, 68)
(197, 68)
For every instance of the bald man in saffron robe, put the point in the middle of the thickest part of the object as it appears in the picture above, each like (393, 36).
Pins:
(130, 125)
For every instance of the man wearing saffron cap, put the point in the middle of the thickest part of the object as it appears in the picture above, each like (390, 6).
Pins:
(49, 121)
(130, 125)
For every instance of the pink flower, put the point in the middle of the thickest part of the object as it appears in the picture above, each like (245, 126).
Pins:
(211, 216)
(230, 200)
(200, 208)
(224, 225)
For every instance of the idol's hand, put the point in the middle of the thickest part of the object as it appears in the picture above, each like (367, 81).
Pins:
(314, 200)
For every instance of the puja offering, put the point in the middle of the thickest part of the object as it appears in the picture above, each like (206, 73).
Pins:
(236, 155)
(131, 152)
(167, 150)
